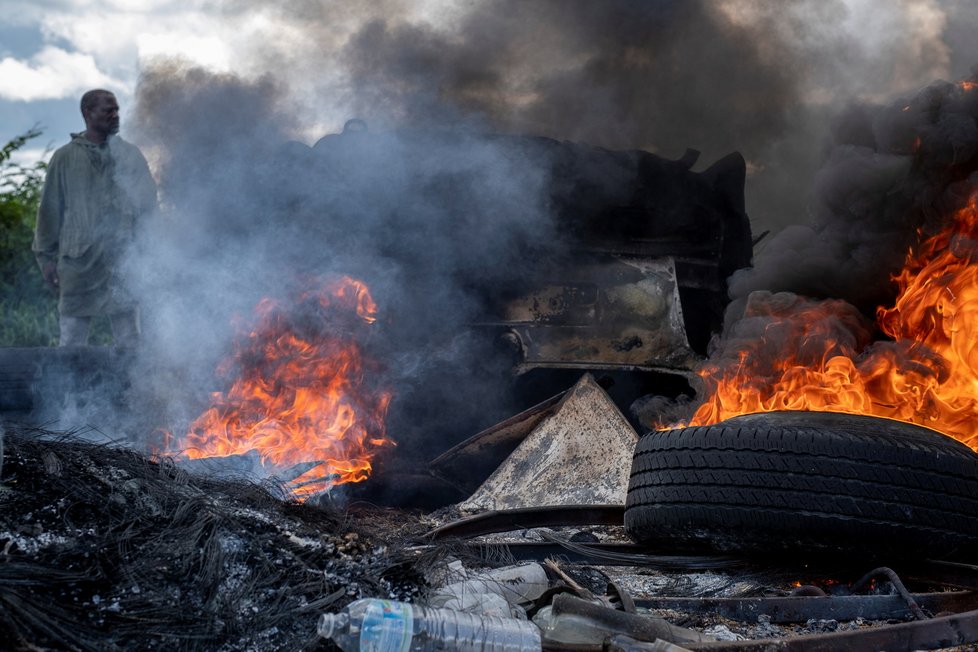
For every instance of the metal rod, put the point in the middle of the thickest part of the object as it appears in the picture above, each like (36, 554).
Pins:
(644, 628)
(934, 633)
(897, 583)
(606, 554)
(531, 517)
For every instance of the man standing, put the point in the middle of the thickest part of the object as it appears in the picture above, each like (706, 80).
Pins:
(97, 188)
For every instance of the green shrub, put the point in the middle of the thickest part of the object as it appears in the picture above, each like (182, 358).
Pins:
(28, 309)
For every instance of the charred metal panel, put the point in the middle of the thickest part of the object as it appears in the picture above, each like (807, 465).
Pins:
(595, 204)
(613, 312)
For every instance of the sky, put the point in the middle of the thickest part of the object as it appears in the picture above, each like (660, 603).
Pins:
(51, 51)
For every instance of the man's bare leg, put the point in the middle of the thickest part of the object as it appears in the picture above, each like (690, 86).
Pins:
(125, 328)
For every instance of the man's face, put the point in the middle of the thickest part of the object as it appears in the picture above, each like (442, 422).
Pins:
(104, 116)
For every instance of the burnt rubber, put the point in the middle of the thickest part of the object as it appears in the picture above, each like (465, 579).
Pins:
(807, 481)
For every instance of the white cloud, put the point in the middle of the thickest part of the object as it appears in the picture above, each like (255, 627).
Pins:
(87, 32)
(207, 51)
(28, 157)
(197, 31)
(51, 74)
(109, 41)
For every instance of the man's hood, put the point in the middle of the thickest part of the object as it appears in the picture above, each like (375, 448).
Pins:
(80, 139)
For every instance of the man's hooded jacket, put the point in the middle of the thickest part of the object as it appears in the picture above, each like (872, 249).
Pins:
(93, 198)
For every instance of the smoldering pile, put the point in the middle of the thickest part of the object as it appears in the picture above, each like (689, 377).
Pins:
(104, 550)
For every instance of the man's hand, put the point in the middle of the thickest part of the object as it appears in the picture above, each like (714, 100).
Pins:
(50, 273)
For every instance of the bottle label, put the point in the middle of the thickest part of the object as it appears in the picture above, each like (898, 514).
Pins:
(387, 627)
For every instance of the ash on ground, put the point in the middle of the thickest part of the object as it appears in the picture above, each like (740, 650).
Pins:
(103, 549)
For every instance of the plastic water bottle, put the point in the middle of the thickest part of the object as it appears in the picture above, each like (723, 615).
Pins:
(498, 592)
(388, 626)
(517, 584)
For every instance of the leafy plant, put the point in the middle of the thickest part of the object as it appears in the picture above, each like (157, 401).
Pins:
(28, 309)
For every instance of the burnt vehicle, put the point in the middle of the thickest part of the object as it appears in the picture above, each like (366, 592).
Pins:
(630, 279)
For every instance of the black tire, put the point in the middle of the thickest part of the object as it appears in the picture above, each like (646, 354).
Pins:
(817, 482)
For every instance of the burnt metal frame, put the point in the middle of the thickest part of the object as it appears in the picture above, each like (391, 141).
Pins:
(946, 631)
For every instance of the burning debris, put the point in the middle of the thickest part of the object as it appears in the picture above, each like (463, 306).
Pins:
(301, 398)
(925, 374)
(457, 230)
(909, 189)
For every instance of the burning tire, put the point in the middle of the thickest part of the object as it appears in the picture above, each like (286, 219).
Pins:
(805, 480)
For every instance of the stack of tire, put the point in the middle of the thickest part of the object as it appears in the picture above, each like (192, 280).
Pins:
(806, 481)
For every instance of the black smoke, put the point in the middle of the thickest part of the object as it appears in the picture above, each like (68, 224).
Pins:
(893, 173)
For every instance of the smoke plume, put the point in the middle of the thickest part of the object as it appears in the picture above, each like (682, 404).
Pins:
(891, 170)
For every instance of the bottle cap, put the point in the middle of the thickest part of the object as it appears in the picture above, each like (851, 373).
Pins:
(327, 624)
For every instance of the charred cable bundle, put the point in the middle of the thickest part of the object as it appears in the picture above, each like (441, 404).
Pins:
(104, 549)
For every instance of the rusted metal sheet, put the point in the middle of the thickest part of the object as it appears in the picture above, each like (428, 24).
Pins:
(936, 633)
(615, 312)
(579, 455)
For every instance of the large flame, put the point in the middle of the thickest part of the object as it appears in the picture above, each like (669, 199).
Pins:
(811, 355)
(299, 397)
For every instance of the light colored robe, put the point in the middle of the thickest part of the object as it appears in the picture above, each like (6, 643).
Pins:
(93, 197)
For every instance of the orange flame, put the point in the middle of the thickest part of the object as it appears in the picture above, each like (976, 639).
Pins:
(300, 396)
(818, 355)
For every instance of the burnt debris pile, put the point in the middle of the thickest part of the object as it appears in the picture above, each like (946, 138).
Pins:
(103, 549)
